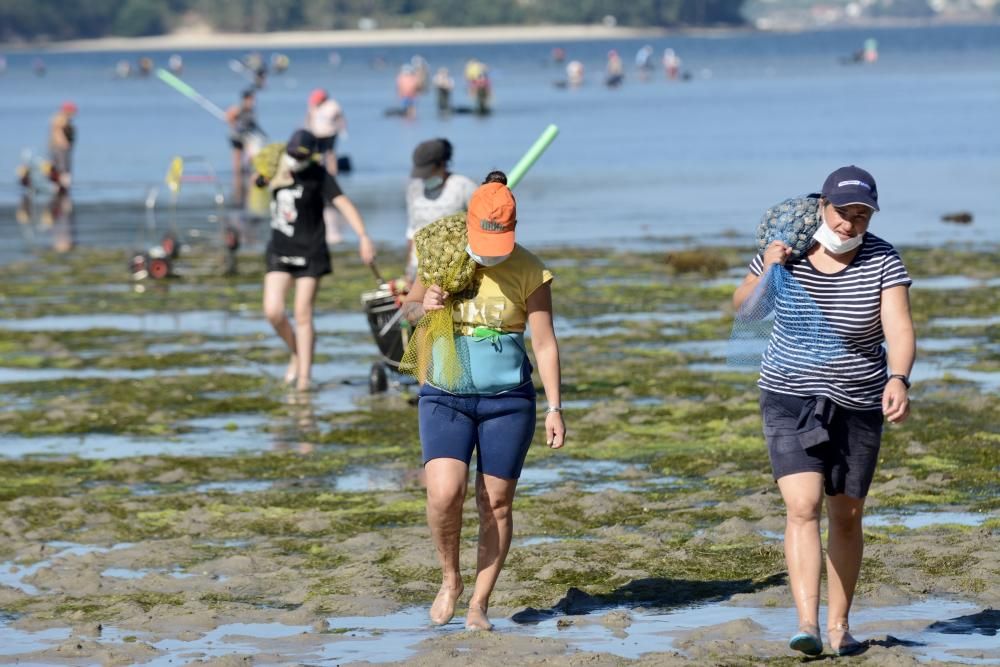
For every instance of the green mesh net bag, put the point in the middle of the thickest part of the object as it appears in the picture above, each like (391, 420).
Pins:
(442, 260)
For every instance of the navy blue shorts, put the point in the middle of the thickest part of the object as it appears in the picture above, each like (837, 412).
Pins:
(499, 428)
(846, 461)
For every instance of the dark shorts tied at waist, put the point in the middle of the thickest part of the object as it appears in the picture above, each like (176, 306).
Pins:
(813, 434)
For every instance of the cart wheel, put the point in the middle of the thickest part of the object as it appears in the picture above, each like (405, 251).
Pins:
(159, 268)
(378, 381)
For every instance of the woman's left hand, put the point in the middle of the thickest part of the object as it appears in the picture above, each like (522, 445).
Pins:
(895, 401)
(366, 249)
(555, 430)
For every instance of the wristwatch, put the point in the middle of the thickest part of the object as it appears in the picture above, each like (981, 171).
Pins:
(902, 378)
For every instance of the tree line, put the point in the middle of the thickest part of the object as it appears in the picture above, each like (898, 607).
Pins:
(37, 20)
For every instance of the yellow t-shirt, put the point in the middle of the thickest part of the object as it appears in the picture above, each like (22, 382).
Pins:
(501, 300)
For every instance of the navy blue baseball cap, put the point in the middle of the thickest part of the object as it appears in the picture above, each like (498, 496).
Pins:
(302, 145)
(851, 185)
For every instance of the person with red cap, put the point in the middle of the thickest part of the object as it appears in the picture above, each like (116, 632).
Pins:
(62, 136)
(494, 415)
(325, 119)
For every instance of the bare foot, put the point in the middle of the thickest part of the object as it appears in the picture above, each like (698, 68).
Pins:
(476, 618)
(444, 604)
(303, 385)
(292, 371)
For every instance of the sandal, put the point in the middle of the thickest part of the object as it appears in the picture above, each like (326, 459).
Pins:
(848, 644)
(807, 640)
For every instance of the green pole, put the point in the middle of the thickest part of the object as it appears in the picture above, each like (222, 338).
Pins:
(535, 152)
(190, 93)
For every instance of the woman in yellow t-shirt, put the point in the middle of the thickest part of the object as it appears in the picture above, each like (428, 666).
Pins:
(495, 413)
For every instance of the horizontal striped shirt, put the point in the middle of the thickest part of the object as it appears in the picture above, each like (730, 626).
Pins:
(846, 318)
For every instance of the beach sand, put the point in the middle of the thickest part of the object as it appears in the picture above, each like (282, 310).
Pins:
(206, 39)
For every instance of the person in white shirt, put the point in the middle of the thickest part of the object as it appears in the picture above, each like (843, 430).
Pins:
(433, 192)
(325, 119)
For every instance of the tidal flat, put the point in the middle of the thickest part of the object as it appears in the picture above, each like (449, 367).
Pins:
(164, 496)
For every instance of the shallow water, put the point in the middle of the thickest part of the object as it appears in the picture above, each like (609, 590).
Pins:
(106, 446)
(212, 322)
(960, 322)
(13, 575)
(929, 111)
(917, 520)
(396, 636)
(954, 283)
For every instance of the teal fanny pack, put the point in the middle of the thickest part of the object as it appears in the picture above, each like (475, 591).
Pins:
(493, 361)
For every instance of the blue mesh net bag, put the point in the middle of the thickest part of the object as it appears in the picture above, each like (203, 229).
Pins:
(779, 322)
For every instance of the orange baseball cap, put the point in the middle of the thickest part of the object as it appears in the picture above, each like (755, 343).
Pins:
(491, 220)
(317, 97)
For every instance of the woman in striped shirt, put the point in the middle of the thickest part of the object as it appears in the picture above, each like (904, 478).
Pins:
(823, 420)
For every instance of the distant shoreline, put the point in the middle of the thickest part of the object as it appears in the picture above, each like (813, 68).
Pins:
(185, 41)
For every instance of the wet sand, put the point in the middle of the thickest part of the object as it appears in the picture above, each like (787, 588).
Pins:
(163, 498)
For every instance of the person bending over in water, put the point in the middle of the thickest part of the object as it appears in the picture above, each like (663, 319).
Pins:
(823, 420)
(512, 291)
(298, 252)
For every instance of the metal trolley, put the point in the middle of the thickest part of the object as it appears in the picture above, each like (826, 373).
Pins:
(391, 331)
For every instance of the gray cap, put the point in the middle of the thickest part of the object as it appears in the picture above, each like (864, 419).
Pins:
(428, 155)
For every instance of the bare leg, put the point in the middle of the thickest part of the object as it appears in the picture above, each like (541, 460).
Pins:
(276, 286)
(446, 481)
(238, 177)
(305, 336)
(845, 546)
(803, 496)
(494, 498)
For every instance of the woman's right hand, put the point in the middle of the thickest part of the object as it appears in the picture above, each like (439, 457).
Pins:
(776, 253)
(434, 298)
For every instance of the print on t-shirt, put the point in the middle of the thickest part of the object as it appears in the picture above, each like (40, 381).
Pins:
(487, 310)
(283, 210)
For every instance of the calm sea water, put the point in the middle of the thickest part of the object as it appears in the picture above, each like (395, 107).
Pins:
(765, 116)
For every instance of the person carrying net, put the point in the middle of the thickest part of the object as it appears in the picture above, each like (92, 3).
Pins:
(297, 253)
(826, 383)
(477, 291)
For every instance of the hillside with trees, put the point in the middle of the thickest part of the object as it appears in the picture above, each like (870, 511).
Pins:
(45, 20)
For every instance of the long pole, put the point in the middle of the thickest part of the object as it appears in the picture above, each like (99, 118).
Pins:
(535, 152)
(190, 93)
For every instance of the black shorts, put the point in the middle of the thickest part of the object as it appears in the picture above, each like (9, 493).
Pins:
(312, 266)
(325, 144)
(847, 461)
(236, 143)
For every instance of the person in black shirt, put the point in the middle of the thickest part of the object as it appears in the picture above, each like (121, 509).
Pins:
(297, 252)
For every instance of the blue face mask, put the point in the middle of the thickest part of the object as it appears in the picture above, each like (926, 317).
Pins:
(433, 184)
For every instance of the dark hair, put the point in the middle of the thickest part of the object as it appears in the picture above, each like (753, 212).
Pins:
(495, 176)
(446, 150)
(249, 92)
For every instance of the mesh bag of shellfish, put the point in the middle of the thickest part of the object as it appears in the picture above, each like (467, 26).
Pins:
(780, 323)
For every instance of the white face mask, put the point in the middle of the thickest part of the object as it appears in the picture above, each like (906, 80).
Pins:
(432, 184)
(295, 165)
(828, 238)
(486, 261)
